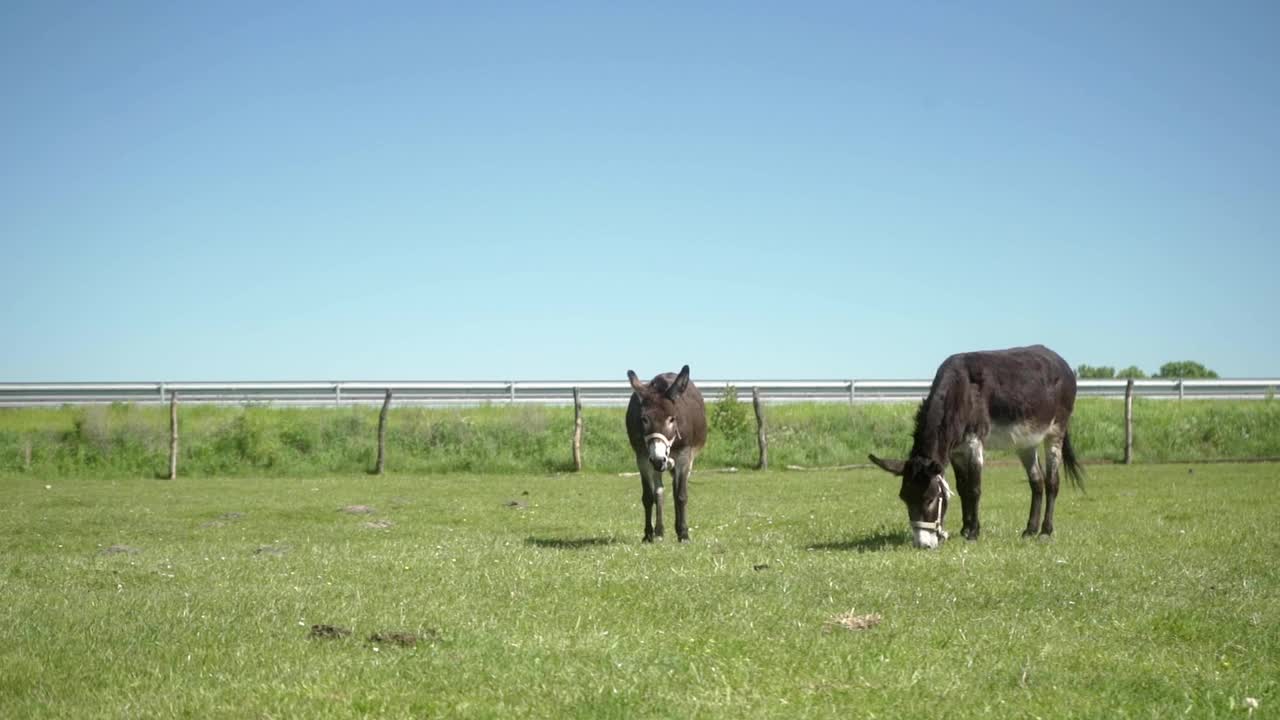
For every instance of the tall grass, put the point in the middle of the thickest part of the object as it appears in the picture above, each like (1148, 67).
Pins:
(132, 441)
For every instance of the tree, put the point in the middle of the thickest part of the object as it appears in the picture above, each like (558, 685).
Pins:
(1133, 371)
(1094, 372)
(1185, 369)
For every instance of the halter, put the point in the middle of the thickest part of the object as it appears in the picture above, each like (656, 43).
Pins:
(659, 437)
(936, 525)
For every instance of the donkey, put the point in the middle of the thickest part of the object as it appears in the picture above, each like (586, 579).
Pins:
(667, 426)
(1016, 398)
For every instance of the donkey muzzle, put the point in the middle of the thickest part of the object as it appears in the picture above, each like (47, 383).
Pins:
(928, 535)
(660, 455)
(662, 464)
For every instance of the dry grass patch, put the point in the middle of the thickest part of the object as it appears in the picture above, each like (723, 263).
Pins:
(853, 621)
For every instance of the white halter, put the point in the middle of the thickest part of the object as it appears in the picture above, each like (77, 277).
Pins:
(936, 525)
(668, 442)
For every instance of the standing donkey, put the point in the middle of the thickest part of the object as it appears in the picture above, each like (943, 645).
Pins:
(1002, 398)
(667, 426)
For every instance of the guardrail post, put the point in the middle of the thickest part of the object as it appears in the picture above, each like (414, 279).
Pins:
(161, 393)
(382, 434)
(1179, 388)
(1128, 422)
(852, 383)
(511, 390)
(762, 437)
(337, 393)
(577, 431)
(173, 436)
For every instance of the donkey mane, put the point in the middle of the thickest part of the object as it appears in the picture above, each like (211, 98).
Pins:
(942, 418)
(660, 384)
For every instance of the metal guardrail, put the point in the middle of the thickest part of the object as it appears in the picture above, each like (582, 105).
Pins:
(599, 393)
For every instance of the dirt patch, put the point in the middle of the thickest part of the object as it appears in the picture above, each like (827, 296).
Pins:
(327, 632)
(378, 524)
(275, 550)
(405, 639)
(223, 520)
(357, 510)
(568, 543)
(852, 621)
(119, 550)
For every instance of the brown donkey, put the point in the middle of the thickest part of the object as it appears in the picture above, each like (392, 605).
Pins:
(667, 426)
(1016, 398)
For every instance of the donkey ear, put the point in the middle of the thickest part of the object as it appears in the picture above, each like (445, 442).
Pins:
(894, 467)
(681, 382)
(635, 381)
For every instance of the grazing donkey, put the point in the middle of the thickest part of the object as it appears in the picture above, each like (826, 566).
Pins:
(667, 426)
(1003, 398)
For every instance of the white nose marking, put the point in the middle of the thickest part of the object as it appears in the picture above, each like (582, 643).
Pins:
(659, 450)
(924, 538)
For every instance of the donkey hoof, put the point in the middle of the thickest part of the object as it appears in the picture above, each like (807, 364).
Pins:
(970, 534)
(1046, 535)
(684, 537)
(648, 538)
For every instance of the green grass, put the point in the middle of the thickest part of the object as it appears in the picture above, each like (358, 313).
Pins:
(132, 441)
(1159, 597)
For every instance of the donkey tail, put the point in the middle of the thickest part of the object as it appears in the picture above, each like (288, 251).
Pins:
(1074, 469)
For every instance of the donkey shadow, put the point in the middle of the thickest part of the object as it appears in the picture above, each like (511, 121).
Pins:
(569, 543)
(880, 541)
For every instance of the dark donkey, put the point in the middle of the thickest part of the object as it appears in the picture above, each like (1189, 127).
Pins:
(667, 425)
(1003, 398)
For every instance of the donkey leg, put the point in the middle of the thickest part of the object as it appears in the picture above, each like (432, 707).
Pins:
(648, 496)
(680, 475)
(1031, 463)
(967, 463)
(658, 502)
(1052, 472)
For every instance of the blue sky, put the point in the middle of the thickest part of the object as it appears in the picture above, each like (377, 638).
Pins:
(218, 191)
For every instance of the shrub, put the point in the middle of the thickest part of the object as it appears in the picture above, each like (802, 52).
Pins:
(728, 416)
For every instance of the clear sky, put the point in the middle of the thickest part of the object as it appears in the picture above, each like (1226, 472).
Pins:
(473, 190)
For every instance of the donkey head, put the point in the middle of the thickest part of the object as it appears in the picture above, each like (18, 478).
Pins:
(926, 494)
(658, 416)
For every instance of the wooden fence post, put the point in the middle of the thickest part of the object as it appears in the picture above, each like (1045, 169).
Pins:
(1128, 422)
(577, 431)
(762, 437)
(382, 434)
(173, 436)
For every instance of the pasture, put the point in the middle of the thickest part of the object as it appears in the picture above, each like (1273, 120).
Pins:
(530, 595)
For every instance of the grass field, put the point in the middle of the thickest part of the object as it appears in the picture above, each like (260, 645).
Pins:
(530, 595)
